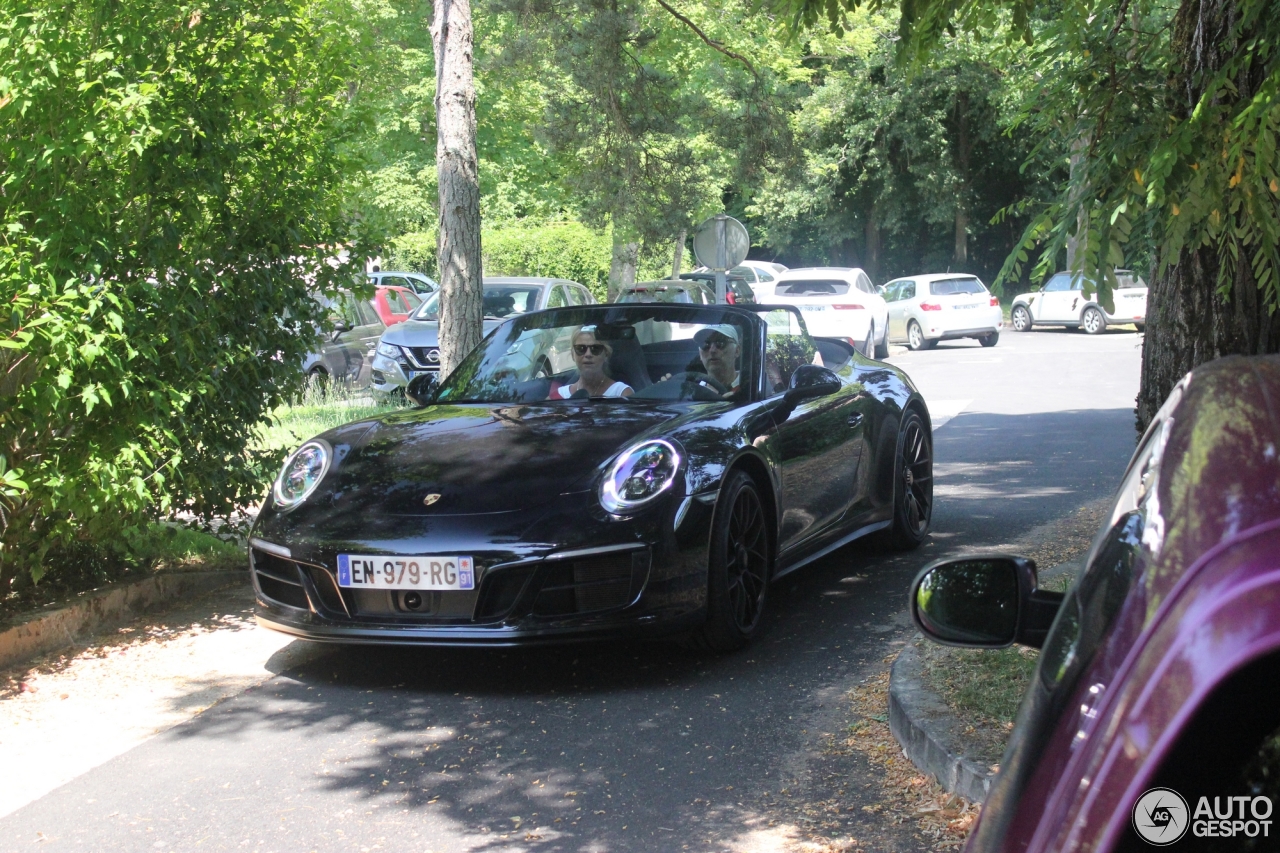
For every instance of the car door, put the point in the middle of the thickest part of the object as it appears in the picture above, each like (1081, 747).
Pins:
(895, 296)
(365, 337)
(814, 442)
(1053, 303)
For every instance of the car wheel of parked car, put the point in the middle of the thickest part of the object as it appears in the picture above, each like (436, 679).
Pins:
(1092, 321)
(912, 485)
(1141, 327)
(739, 568)
(882, 345)
(990, 340)
(1021, 319)
(915, 337)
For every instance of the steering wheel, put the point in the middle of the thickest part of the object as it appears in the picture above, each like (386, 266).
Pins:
(705, 387)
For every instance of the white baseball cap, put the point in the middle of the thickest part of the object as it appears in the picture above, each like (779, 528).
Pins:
(730, 332)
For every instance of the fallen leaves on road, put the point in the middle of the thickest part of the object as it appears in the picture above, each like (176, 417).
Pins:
(942, 817)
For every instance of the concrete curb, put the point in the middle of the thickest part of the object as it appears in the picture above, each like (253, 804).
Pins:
(60, 625)
(928, 732)
(926, 728)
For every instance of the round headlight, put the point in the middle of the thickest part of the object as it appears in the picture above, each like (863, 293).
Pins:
(302, 472)
(640, 475)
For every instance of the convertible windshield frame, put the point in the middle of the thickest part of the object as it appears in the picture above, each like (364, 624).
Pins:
(486, 376)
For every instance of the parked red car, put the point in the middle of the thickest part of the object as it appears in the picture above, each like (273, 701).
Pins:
(395, 304)
(1154, 714)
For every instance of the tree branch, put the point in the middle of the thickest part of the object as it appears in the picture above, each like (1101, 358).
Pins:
(710, 41)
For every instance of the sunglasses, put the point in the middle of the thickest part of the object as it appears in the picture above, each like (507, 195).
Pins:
(582, 349)
(719, 343)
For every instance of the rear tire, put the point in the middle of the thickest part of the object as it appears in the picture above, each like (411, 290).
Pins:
(1020, 319)
(869, 349)
(1141, 327)
(1092, 321)
(916, 340)
(739, 568)
(990, 340)
(912, 485)
(882, 345)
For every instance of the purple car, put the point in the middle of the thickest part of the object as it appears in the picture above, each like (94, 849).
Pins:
(1153, 718)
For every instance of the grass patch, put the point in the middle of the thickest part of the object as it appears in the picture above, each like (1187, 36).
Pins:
(320, 408)
(984, 687)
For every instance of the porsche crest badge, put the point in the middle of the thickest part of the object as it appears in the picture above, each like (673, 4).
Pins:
(430, 499)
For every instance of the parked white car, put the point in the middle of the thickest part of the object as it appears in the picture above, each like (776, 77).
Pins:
(925, 309)
(1065, 301)
(837, 302)
(760, 276)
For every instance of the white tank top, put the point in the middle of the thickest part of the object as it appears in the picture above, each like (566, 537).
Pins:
(614, 390)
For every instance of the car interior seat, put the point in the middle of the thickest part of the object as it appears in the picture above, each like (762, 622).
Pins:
(627, 363)
(499, 306)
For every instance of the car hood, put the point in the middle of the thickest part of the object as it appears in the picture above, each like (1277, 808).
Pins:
(478, 458)
(423, 333)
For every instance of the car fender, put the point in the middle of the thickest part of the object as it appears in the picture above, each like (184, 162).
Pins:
(1209, 628)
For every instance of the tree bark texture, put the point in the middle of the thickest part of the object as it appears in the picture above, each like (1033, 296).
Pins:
(960, 257)
(678, 257)
(1188, 321)
(461, 289)
(623, 265)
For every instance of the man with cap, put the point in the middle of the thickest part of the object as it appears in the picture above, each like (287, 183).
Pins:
(718, 348)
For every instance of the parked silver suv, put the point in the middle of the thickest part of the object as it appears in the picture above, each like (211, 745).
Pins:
(413, 347)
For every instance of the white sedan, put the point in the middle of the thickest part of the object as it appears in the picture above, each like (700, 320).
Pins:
(925, 309)
(1064, 301)
(837, 302)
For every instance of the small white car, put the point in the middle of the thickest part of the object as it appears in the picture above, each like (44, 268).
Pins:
(925, 309)
(760, 276)
(837, 302)
(1065, 301)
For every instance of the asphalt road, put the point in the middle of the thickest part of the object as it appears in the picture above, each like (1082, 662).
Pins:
(620, 747)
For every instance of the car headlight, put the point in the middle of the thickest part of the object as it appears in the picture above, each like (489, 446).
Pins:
(391, 351)
(301, 473)
(640, 475)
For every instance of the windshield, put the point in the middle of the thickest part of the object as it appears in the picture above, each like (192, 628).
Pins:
(610, 354)
(950, 286)
(500, 300)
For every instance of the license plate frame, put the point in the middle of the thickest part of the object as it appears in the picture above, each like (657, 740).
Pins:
(447, 573)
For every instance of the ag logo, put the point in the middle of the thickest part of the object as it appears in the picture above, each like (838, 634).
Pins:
(1160, 816)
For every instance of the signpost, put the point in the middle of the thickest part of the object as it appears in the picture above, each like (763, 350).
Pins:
(720, 244)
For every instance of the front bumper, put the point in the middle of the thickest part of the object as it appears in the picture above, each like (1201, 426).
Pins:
(608, 577)
(389, 375)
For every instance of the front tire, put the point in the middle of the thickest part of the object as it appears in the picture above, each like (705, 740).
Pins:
(739, 568)
(1093, 322)
(912, 485)
(1020, 319)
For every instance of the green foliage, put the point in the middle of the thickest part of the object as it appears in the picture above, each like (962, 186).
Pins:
(170, 179)
(321, 406)
(557, 250)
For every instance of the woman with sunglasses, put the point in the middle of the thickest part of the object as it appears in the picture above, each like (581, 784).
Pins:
(591, 356)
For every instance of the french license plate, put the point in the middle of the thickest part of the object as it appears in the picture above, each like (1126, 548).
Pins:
(364, 571)
(965, 307)
(813, 308)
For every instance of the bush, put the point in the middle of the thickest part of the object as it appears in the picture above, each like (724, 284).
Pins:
(559, 250)
(171, 178)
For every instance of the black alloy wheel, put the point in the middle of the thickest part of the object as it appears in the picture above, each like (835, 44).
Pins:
(739, 568)
(913, 484)
(1020, 319)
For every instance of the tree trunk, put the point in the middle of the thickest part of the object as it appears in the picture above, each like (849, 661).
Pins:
(678, 257)
(960, 257)
(872, 233)
(622, 267)
(1075, 243)
(1188, 321)
(461, 290)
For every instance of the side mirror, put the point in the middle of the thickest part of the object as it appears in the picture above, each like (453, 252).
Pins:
(880, 289)
(339, 325)
(422, 388)
(983, 602)
(809, 381)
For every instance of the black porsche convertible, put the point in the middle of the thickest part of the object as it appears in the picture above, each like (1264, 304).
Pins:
(609, 470)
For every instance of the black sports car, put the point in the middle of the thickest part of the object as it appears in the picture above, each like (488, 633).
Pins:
(601, 470)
